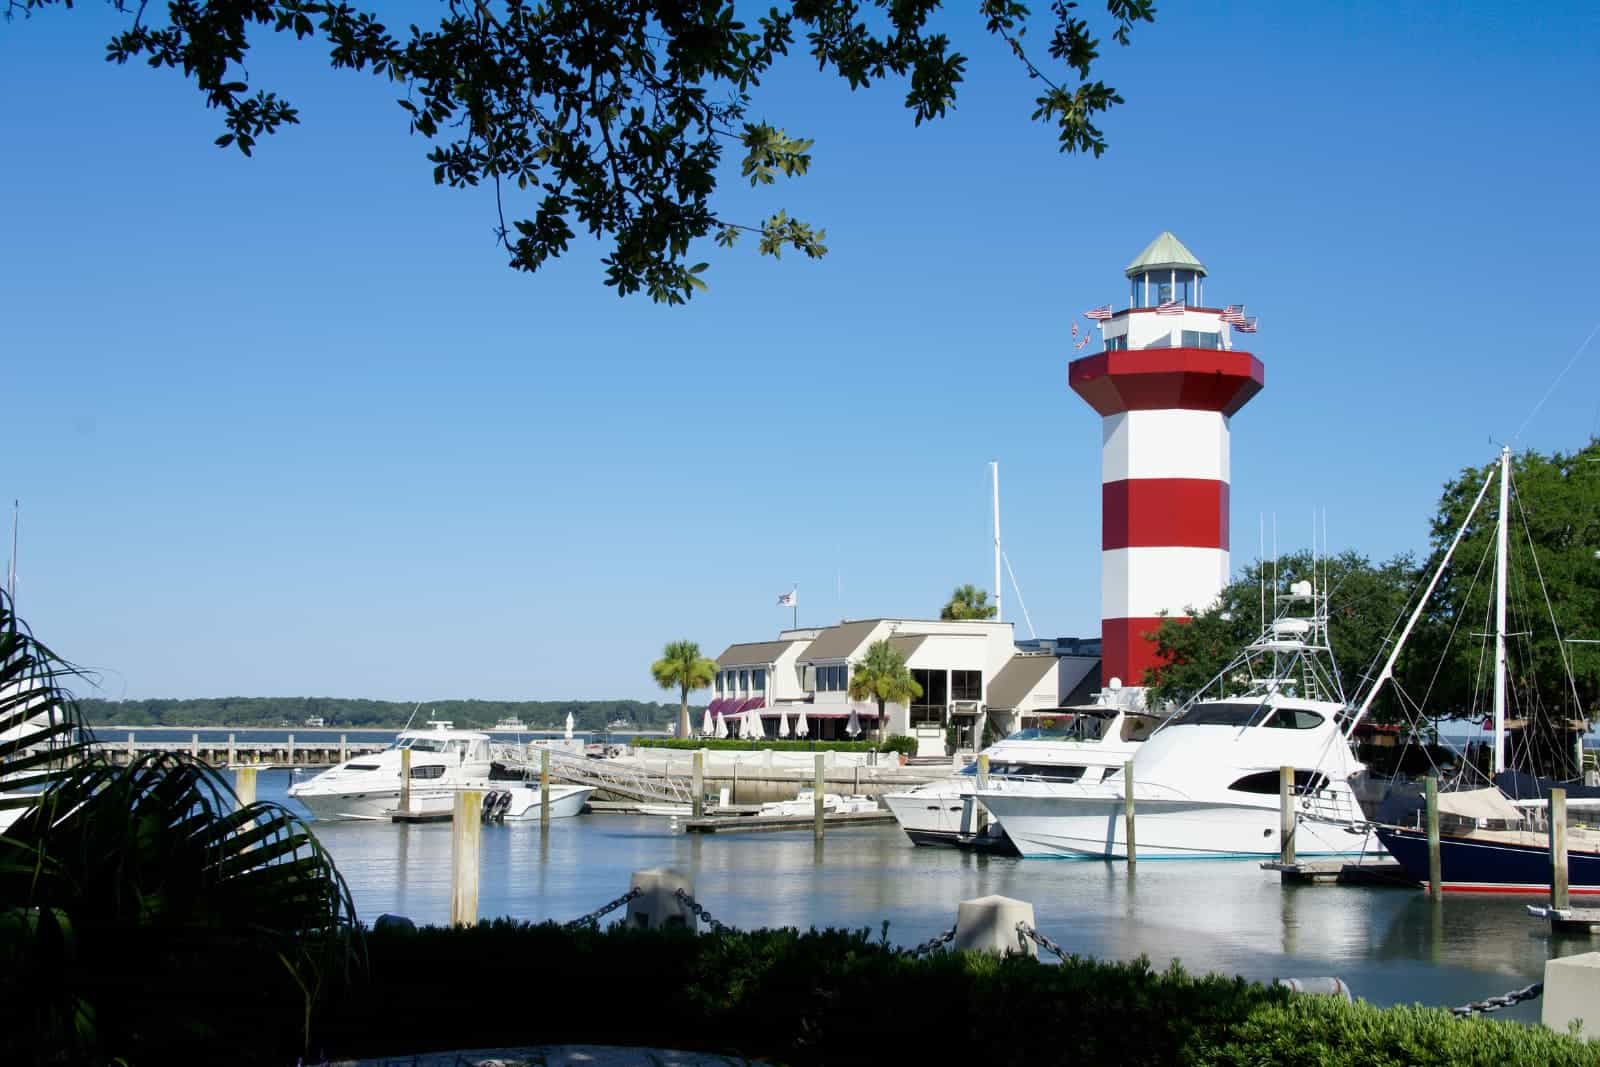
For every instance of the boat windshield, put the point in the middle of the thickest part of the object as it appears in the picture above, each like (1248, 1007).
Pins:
(1066, 727)
(420, 744)
(1221, 713)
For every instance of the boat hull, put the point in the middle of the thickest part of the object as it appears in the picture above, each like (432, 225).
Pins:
(381, 805)
(929, 818)
(1467, 865)
(1163, 829)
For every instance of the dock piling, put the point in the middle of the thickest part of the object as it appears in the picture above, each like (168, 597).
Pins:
(1435, 879)
(820, 810)
(544, 786)
(1127, 813)
(698, 800)
(405, 781)
(1558, 848)
(244, 784)
(344, 747)
(194, 746)
(291, 750)
(466, 835)
(230, 750)
(1285, 814)
(130, 746)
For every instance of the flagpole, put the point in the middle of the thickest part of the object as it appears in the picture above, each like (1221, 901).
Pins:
(794, 606)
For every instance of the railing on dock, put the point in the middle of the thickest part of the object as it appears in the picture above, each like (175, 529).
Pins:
(322, 752)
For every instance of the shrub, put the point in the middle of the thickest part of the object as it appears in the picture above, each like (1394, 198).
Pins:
(899, 743)
(841, 997)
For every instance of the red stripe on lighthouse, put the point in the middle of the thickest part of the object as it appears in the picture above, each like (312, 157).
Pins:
(1157, 512)
(1126, 650)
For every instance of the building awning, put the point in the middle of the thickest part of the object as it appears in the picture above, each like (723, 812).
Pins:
(845, 714)
(718, 706)
(753, 704)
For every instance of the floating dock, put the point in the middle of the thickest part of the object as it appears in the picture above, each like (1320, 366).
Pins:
(1340, 872)
(733, 824)
(1567, 920)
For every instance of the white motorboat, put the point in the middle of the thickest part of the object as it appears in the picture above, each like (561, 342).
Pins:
(444, 761)
(1059, 745)
(1206, 784)
(805, 803)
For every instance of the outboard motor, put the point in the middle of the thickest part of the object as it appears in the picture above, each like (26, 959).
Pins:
(488, 805)
(502, 805)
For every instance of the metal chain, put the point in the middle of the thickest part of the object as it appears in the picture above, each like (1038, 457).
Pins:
(699, 911)
(936, 941)
(593, 918)
(1026, 931)
(1504, 1000)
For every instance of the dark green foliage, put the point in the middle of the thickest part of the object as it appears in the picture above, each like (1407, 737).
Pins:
(968, 602)
(142, 915)
(588, 715)
(841, 997)
(611, 116)
(897, 743)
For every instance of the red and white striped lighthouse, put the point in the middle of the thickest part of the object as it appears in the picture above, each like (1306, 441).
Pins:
(1165, 384)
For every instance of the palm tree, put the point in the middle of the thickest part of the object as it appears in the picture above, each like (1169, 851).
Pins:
(968, 602)
(150, 918)
(682, 665)
(882, 676)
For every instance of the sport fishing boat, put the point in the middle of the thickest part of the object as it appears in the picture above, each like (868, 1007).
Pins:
(1206, 783)
(1058, 745)
(444, 761)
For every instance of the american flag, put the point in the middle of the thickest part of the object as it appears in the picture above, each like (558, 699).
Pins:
(1245, 325)
(1233, 313)
(1099, 314)
(1082, 341)
(1171, 307)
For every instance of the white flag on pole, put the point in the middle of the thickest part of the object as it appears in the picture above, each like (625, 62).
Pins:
(789, 599)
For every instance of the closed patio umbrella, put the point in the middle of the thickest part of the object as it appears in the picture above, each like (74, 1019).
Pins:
(722, 726)
(853, 727)
(757, 731)
(705, 724)
(783, 724)
(801, 728)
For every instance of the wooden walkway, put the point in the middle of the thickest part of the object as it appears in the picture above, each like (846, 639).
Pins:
(1567, 920)
(1340, 872)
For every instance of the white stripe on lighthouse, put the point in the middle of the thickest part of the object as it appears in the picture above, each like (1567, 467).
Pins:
(1166, 443)
(1139, 583)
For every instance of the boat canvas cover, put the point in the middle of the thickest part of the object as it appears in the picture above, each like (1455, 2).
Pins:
(1479, 804)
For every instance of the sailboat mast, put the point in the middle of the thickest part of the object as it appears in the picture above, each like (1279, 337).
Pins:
(1500, 614)
(994, 472)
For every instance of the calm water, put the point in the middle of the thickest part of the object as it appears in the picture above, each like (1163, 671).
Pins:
(1391, 945)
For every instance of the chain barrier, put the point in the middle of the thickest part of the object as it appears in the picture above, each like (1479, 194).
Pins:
(1026, 931)
(1504, 1000)
(594, 917)
(936, 941)
(699, 911)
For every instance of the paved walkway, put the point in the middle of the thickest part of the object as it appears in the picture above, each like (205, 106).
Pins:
(555, 1056)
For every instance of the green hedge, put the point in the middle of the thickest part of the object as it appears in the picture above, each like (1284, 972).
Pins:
(715, 744)
(839, 997)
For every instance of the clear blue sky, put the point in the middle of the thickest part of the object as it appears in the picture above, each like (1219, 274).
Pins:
(288, 426)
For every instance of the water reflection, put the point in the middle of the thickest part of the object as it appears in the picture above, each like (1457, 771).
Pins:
(1391, 945)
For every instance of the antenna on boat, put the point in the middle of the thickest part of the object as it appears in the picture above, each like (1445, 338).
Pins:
(1261, 563)
(414, 711)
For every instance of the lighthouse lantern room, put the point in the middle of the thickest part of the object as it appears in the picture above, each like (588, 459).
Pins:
(1165, 384)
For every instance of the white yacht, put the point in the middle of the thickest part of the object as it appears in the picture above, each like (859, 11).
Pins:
(1077, 744)
(444, 761)
(1206, 783)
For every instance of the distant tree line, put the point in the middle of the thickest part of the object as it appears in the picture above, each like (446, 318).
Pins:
(372, 714)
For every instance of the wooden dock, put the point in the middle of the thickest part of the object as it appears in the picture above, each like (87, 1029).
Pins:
(734, 824)
(1567, 920)
(1340, 872)
(421, 816)
(325, 750)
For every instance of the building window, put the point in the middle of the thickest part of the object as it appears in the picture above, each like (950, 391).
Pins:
(759, 677)
(966, 685)
(1117, 344)
(744, 681)
(1200, 339)
(719, 683)
(833, 679)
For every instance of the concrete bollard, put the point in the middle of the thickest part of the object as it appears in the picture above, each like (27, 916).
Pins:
(393, 924)
(1327, 987)
(989, 924)
(1572, 994)
(657, 906)
(466, 835)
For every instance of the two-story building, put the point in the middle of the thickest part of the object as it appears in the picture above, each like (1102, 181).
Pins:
(969, 671)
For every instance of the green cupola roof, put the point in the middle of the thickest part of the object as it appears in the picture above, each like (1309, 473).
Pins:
(1166, 252)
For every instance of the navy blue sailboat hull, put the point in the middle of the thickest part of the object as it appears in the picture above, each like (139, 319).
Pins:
(1478, 866)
